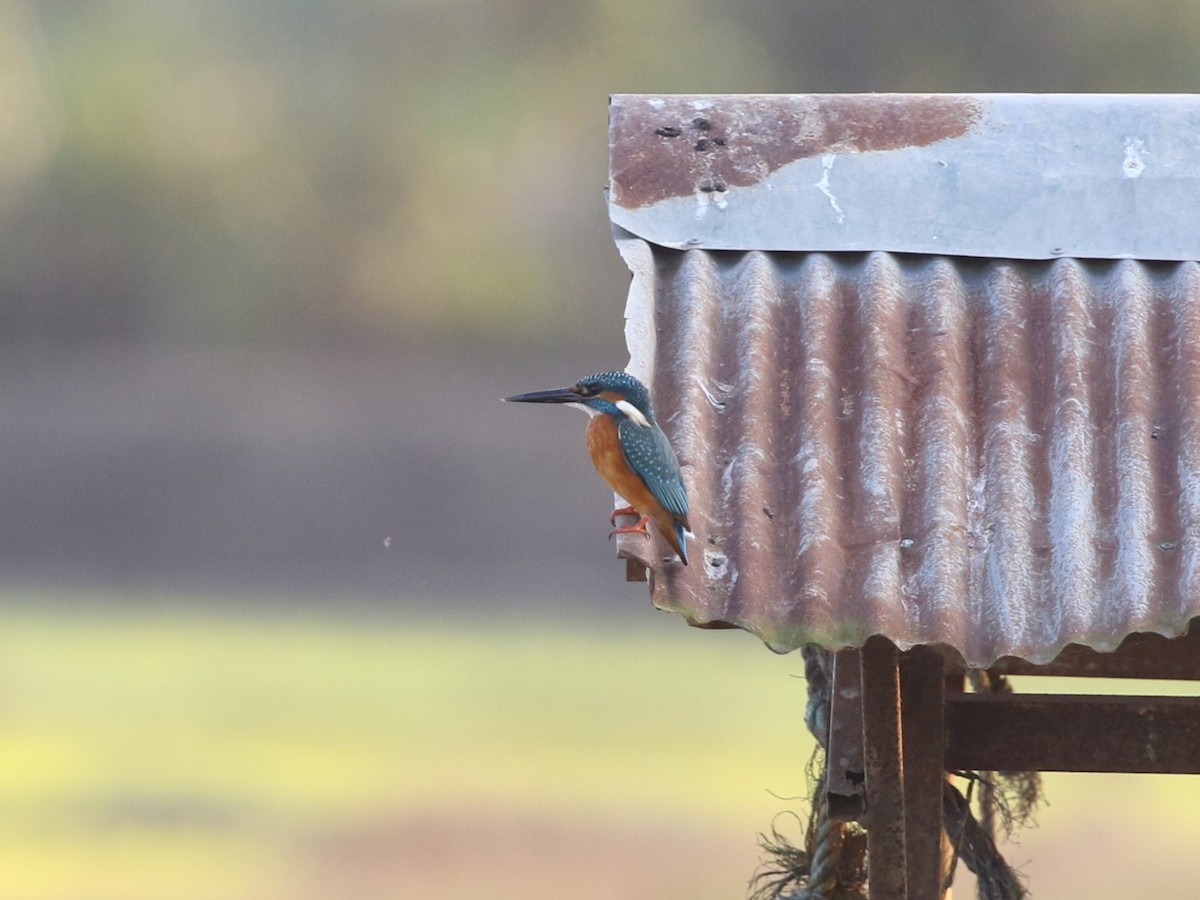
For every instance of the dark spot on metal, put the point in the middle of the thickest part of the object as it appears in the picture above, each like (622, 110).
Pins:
(713, 185)
(765, 133)
(856, 778)
(1156, 432)
(767, 512)
(669, 131)
(1056, 251)
(712, 540)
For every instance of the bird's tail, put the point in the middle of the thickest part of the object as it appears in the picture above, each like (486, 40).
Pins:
(674, 533)
(680, 543)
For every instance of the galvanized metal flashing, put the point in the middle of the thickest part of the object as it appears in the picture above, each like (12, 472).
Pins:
(1016, 176)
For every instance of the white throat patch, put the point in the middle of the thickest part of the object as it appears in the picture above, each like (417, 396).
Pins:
(587, 409)
(633, 413)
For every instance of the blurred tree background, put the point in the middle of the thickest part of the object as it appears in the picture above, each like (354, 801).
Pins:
(268, 266)
(299, 172)
(267, 269)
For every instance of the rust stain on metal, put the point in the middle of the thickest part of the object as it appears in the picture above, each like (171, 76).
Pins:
(677, 145)
(1049, 733)
(883, 758)
(844, 788)
(998, 457)
(1139, 656)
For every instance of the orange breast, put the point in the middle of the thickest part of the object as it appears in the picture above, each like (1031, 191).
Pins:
(605, 449)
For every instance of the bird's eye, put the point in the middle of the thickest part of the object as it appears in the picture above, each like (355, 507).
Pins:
(586, 390)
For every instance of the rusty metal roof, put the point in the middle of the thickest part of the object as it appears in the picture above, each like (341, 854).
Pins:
(998, 455)
(1017, 176)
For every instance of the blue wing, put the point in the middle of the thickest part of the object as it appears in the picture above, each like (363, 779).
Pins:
(649, 453)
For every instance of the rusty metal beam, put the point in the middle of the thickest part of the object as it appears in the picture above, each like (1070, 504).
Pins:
(883, 757)
(844, 785)
(635, 570)
(1058, 733)
(922, 708)
(1139, 656)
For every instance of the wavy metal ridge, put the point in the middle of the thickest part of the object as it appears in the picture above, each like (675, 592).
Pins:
(1000, 457)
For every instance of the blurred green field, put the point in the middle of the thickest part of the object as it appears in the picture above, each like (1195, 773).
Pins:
(188, 751)
(199, 750)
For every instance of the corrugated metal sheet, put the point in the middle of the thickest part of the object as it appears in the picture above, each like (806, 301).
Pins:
(994, 455)
(1003, 457)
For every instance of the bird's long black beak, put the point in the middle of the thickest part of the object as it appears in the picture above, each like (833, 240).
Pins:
(558, 395)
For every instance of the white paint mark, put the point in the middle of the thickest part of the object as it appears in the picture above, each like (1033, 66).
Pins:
(708, 395)
(717, 567)
(1134, 165)
(823, 185)
(716, 563)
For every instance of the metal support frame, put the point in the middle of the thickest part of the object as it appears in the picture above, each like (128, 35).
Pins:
(902, 735)
(883, 758)
(923, 723)
(899, 721)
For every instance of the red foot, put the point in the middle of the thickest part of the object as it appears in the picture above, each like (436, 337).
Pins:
(622, 511)
(642, 526)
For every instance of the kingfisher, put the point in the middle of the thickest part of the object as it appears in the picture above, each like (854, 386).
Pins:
(629, 451)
